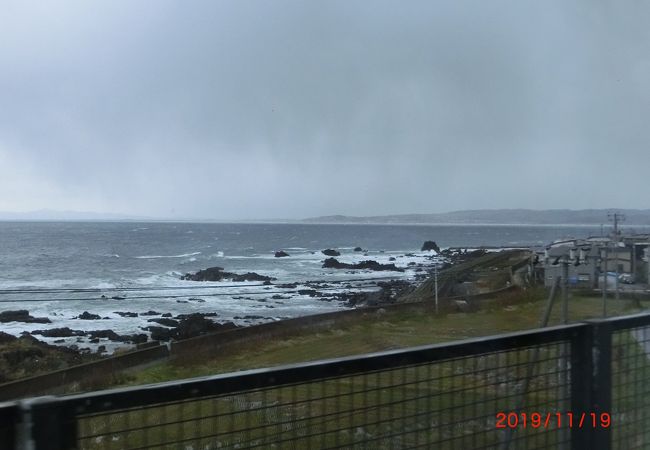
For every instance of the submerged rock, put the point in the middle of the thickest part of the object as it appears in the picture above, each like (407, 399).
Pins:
(281, 254)
(330, 252)
(358, 249)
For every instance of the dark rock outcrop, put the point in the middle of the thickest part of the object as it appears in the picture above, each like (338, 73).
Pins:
(186, 316)
(388, 292)
(330, 252)
(126, 314)
(87, 316)
(430, 245)
(310, 292)
(165, 321)
(358, 249)
(105, 334)
(332, 263)
(138, 338)
(6, 338)
(197, 324)
(281, 254)
(218, 274)
(21, 315)
(59, 332)
(160, 333)
(189, 325)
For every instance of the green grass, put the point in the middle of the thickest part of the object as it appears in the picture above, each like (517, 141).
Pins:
(391, 330)
(448, 404)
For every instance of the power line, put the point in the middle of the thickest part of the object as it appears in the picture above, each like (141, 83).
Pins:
(155, 297)
(171, 288)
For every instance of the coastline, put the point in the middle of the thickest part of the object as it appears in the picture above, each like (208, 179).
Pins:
(113, 321)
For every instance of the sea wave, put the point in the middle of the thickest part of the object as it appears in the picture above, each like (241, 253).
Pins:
(184, 255)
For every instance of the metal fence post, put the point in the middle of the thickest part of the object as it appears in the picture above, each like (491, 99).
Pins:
(602, 381)
(582, 368)
(591, 384)
(48, 425)
(9, 425)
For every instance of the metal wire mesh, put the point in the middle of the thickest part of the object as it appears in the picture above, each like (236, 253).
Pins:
(631, 388)
(450, 404)
(473, 394)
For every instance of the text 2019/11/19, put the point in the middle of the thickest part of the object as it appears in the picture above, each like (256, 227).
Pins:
(550, 419)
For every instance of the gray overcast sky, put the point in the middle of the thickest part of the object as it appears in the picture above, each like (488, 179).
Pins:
(262, 109)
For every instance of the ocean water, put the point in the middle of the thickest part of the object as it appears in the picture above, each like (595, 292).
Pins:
(42, 264)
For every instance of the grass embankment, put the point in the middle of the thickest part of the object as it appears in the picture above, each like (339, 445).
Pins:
(513, 311)
(450, 404)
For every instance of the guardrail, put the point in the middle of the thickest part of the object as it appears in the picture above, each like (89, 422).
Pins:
(584, 385)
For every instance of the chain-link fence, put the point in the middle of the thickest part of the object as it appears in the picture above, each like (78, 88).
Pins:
(546, 388)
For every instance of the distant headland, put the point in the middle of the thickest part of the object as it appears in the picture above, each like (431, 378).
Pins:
(497, 216)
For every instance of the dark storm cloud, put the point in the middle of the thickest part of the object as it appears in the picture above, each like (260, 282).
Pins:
(291, 109)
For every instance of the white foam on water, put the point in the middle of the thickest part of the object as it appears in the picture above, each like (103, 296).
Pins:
(166, 279)
(242, 299)
(103, 285)
(184, 255)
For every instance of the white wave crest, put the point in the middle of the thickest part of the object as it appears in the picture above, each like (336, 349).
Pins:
(185, 255)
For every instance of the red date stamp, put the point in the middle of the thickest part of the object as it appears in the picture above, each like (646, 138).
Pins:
(553, 419)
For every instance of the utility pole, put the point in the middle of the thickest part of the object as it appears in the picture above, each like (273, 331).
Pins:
(565, 291)
(616, 217)
(564, 349)
(604, 286)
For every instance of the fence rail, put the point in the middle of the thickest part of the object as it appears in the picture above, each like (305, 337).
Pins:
(584, 385)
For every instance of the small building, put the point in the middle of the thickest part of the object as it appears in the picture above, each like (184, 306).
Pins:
(589, 258)
(582, 263)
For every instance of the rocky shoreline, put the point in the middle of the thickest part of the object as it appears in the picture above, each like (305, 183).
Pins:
(165, 326)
